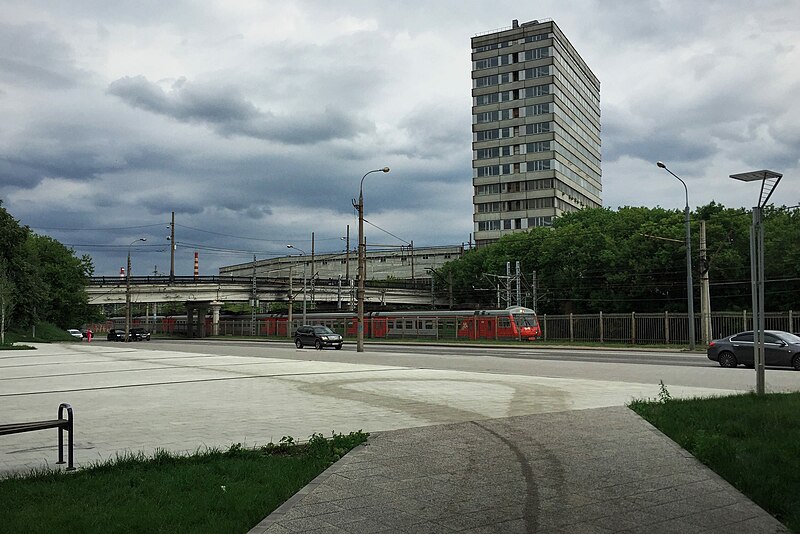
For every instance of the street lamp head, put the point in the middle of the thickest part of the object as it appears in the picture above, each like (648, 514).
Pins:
(385, 169)
(289, 246)
(661, 164)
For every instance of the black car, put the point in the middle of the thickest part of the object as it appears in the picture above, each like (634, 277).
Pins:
(116, 335)
(780, 349)
(318, 336)
(140, 334)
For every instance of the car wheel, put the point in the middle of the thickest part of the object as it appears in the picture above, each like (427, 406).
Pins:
(727, 359)
(318, 344)
(298, 343)
(796, 362)
(338, 347)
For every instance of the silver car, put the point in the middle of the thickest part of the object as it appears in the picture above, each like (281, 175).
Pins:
(74, 332)
(780, 349)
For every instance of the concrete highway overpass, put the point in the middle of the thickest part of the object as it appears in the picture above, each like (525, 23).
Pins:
(224, 289)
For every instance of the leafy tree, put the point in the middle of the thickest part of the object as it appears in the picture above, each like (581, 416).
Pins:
(64, 277)
(43, 278)
(633, 259)
(6, 300)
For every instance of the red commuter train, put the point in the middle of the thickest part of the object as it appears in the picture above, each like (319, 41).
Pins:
(513, 323)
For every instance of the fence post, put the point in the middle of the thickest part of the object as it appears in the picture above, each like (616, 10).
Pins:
(633, 328)
(666, 327)
(571, 329)
(544, 330)
(601, 327)
(744, 320)
(791, 323)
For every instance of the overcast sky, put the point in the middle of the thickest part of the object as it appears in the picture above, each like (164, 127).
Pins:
(254, 120)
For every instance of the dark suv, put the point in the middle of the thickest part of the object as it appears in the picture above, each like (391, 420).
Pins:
(319, 336)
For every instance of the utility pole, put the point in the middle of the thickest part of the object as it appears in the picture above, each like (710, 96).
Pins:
(412, 260)
(253, 301)
(172, 249)
(450, 287)
(519, 288)
(508, 284)
(535, 283)
(705, 292)
(347, 256)
(312, 271)
(291, 304)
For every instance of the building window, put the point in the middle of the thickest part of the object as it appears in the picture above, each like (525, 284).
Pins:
(539, 165)
(487, 189)
(538, 128)
(536, 53)
(487, 116)
(486, 63)
(484, 226)
(487, 135)
(487, 153)
(540, 221)
(539, 109)
(491, 98)
(541, 146)
(486, 81)
(539, 90)
(537, 72)
(491, 170)
(489, 207)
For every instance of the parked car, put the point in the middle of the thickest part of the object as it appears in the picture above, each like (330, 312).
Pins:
(116, 335)
(75, 333)
(317, 336)
(780, 349)
(140, 334)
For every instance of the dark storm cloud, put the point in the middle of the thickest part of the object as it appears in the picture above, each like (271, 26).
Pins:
(651, 144)
(75, 152)
(435, 132)
(32, 55)
(229, 113)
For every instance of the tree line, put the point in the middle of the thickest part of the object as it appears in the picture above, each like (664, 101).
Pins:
(40, 279)
(634, 259)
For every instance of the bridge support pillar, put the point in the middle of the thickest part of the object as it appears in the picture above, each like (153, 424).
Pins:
(215, 307)
(190, 320)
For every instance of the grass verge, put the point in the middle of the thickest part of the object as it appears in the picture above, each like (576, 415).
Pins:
(45, 333)
(210, 491)
(749, 440)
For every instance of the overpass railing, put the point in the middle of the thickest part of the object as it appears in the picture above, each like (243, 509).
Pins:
(417, 284)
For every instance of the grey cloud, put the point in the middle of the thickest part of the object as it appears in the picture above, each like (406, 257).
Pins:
(230, 114)
(35, 56)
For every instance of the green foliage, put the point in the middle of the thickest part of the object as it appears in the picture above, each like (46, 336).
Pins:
(634, 259)
(750, 440)
(209, 491)
(42, 278)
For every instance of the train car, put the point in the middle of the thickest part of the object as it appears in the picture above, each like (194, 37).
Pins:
(513, 323)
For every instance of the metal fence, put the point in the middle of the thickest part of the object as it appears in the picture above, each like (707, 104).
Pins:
(631, 328)
(653, 328)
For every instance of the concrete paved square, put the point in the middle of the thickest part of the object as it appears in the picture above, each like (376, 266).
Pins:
(131, 399)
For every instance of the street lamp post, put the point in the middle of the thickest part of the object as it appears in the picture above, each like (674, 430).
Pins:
(128, 290)
(769, 181)
(689, 284)
(362, 260)
(302, 253)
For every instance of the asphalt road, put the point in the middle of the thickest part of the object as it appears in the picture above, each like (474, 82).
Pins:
(624, 365)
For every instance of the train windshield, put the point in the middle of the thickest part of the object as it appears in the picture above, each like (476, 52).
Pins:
(525, 319)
